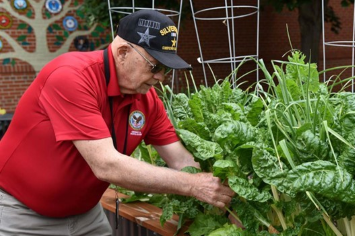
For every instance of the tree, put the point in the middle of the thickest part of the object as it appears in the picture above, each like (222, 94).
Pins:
(310, 21)
(38, 23)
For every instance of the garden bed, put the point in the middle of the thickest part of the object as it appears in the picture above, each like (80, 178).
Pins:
(140, 213)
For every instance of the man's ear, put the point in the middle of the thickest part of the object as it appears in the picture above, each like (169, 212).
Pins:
(122, 51)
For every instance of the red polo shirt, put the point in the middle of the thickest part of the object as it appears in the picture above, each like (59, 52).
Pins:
(40, 166)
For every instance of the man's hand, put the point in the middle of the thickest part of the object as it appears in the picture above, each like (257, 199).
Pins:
(209, 189)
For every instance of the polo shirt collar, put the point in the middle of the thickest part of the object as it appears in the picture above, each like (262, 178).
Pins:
(113, 89)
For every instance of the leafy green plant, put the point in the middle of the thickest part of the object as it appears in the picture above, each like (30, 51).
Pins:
(286, 149)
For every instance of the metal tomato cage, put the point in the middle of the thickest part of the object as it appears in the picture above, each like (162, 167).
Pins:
(341, 43)
(126, 10)
(230, 20)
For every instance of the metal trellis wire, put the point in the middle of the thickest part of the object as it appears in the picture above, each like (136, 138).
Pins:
(342, 43)
(229, 18)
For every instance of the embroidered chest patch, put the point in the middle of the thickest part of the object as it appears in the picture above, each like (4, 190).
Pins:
(136, 120)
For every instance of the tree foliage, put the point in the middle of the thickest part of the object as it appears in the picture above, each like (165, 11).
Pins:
(310, 21)
(330, 16)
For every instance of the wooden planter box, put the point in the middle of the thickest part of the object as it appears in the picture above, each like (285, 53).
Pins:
(137, 218)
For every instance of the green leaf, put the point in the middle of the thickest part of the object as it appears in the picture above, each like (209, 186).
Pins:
(191, 169)
(234, 109)
(196, 108)
(304, 74)
(6, 61)
(80, 14)
(92, 46)
(324, 178)
(246, 190)
(200, 148)
(66, 34)
(292, 89)
(205, 224)
(94, 34)
(99, 29)
(227, 229)
(311, 148)
(346, 158)
(251, 217)
(267, 167)
(21, 38)
(29, 13)
(223, 168)
(56, 27)
(180, 106)
(167, 214)
(254, 110)
(59, 38)
(233, 133)
(22, 26)
(48, 14)
(199, 129)
(108, 38)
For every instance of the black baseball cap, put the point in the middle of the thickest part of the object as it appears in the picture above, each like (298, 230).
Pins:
(156, 33)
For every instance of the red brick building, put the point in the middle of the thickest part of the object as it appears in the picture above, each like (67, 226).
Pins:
(16, 74)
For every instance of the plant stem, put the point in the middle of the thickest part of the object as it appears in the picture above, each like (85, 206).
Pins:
(331, 225)
(352, 226)
(344, 223)
(278, 212)
(232, 213)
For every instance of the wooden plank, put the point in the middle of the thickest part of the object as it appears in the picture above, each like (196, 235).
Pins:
(142, 213)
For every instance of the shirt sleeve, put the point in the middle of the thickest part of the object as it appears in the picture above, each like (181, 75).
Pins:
(162, 131)
(70, 100)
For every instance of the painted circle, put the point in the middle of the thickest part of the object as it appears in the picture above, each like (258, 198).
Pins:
(70, 23)
(5, 21)
(53, 6)
(20, 4)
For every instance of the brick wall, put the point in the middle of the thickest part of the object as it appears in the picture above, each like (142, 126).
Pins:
(273, 45)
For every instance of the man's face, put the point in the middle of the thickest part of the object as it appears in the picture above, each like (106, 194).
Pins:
(136, 76)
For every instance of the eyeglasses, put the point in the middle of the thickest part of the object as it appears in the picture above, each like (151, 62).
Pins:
(155, 68)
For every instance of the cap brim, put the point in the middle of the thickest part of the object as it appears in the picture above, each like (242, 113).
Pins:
(170, 60)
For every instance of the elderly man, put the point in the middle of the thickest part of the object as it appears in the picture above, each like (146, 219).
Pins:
(78, 122)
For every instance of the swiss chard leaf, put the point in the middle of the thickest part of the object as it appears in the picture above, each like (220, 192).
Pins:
(197, 128)
(231, 134)
(254, 109)
(324, 178)
(180, 106)
(224, 168)
(246, 190)
(196, 108)
(228, 229)
(200, 148)
(311, 148)
(205, 224)
(271, 170)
